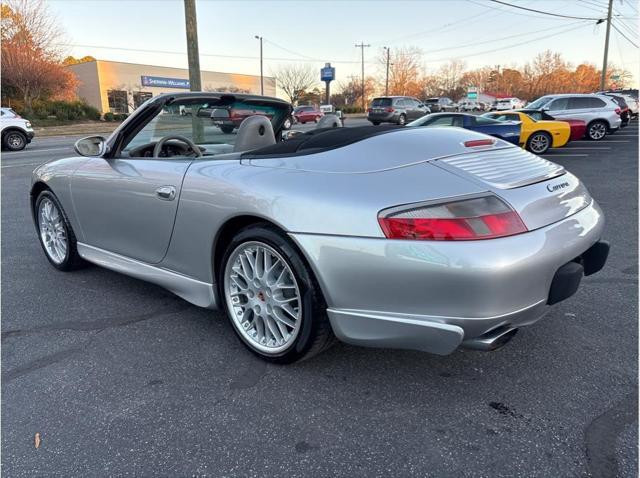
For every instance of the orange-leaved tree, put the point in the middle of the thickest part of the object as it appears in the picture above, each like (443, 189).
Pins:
(31, 68)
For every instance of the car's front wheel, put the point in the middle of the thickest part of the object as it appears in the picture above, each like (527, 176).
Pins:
(287, 123)
(55, 233)
(402, 120)
(539, 142)
(272, 299)
(597, 130)
(227, 129)
(14, 141)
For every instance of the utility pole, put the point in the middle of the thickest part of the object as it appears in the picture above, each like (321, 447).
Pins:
(386, 82)
(261, 75)
(192, 44)
(362, 46)
(603, 78)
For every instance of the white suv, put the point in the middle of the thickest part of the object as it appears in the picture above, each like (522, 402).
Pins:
(600, 112)
(16, 131)
(508, 104)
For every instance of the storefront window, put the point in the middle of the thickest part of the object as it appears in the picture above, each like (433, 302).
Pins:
(140, 97)
(117, 101)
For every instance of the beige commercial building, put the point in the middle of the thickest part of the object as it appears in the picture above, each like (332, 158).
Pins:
(121, 87)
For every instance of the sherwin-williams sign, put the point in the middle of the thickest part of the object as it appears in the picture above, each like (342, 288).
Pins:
(165, 82)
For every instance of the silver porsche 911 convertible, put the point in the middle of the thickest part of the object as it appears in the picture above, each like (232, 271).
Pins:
(416, 238)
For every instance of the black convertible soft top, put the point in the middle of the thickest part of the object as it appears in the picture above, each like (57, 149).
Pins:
(318, 140)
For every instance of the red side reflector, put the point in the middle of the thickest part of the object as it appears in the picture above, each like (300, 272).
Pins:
(474, 143)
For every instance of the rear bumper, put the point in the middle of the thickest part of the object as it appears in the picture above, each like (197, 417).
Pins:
(431, 295)
(383, 117)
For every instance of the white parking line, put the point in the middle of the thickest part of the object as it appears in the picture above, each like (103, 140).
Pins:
(23, 164)
(549, 156)
(566, 148)
(605, 141)
(33, 151)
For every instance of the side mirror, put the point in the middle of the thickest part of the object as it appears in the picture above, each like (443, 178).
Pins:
(220, 114)
(91, 146)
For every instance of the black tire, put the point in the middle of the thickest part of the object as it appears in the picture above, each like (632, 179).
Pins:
(227, 129)
(14, 140)
(597, 130)
(315, 334)
(72, 259)
(287, 123)
(375, 123)
(539, 142)
(402, 120)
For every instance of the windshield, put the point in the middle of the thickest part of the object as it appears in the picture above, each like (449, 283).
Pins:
(540, 102)
(432, 100)
(381, 102)
(212, 124)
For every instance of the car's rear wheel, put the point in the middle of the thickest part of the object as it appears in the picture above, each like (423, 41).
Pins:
(539, 142)
(287, 123)
(14, 141)
(597, 130)
(55, 233)
(402, 120)
(227, 129)
(375, 123)
(272, 298)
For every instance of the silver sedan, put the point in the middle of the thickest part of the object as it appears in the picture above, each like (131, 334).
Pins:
(417, 238)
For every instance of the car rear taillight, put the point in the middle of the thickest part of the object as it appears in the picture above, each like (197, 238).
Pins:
(369, 110)
(618, 110)
(389, 110)
(485, 217)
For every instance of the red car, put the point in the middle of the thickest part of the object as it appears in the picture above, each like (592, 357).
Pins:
(304, 114)
(578, 127)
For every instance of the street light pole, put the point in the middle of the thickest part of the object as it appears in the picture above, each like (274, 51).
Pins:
(386, 83)
(603, 78)
(362, 46)
(261, 75)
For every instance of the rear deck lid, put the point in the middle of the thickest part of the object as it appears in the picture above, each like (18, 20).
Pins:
(540, 191)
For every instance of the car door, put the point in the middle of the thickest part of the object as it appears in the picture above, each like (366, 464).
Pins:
(128, 205)
(559, 108)
(413, 111)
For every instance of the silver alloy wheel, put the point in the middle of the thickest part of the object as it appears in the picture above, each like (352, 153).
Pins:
(539, 143)
(52, 231)
(15, 141)
(597, 131)
(401, 120)
(263, 297)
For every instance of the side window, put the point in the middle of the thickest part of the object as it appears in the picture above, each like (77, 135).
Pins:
(513, 117)
(457, 121)
(579, 102)
(596, 103)
(559, 104)
(442, 121)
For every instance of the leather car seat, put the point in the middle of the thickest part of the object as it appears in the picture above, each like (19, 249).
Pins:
(254, 132)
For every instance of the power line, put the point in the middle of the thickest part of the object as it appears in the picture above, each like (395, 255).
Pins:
(514, 45)
(503, 38)
(626, 28)
(545, 13)
(625, 36)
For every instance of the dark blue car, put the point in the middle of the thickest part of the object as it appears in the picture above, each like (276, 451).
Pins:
(506, 130)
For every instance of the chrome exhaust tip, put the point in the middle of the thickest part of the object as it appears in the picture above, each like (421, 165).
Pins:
(492, 340)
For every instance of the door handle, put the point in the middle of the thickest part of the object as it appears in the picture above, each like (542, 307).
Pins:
(166, 193)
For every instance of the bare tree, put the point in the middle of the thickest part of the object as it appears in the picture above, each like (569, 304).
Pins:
(30, 57)
(295, 80)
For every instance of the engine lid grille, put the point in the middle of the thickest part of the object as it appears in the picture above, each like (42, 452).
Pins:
(503, 168)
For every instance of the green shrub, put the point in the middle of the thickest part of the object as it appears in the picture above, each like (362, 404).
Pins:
(109, 116)
(63, 111)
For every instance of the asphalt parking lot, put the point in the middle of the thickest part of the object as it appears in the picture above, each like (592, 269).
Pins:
(122, 378)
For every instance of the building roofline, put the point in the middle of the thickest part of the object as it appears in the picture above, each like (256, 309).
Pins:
(97, 60)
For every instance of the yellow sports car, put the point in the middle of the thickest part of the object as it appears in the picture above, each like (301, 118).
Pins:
(536, 136)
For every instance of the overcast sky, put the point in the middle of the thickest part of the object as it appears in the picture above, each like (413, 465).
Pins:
(478, 32)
